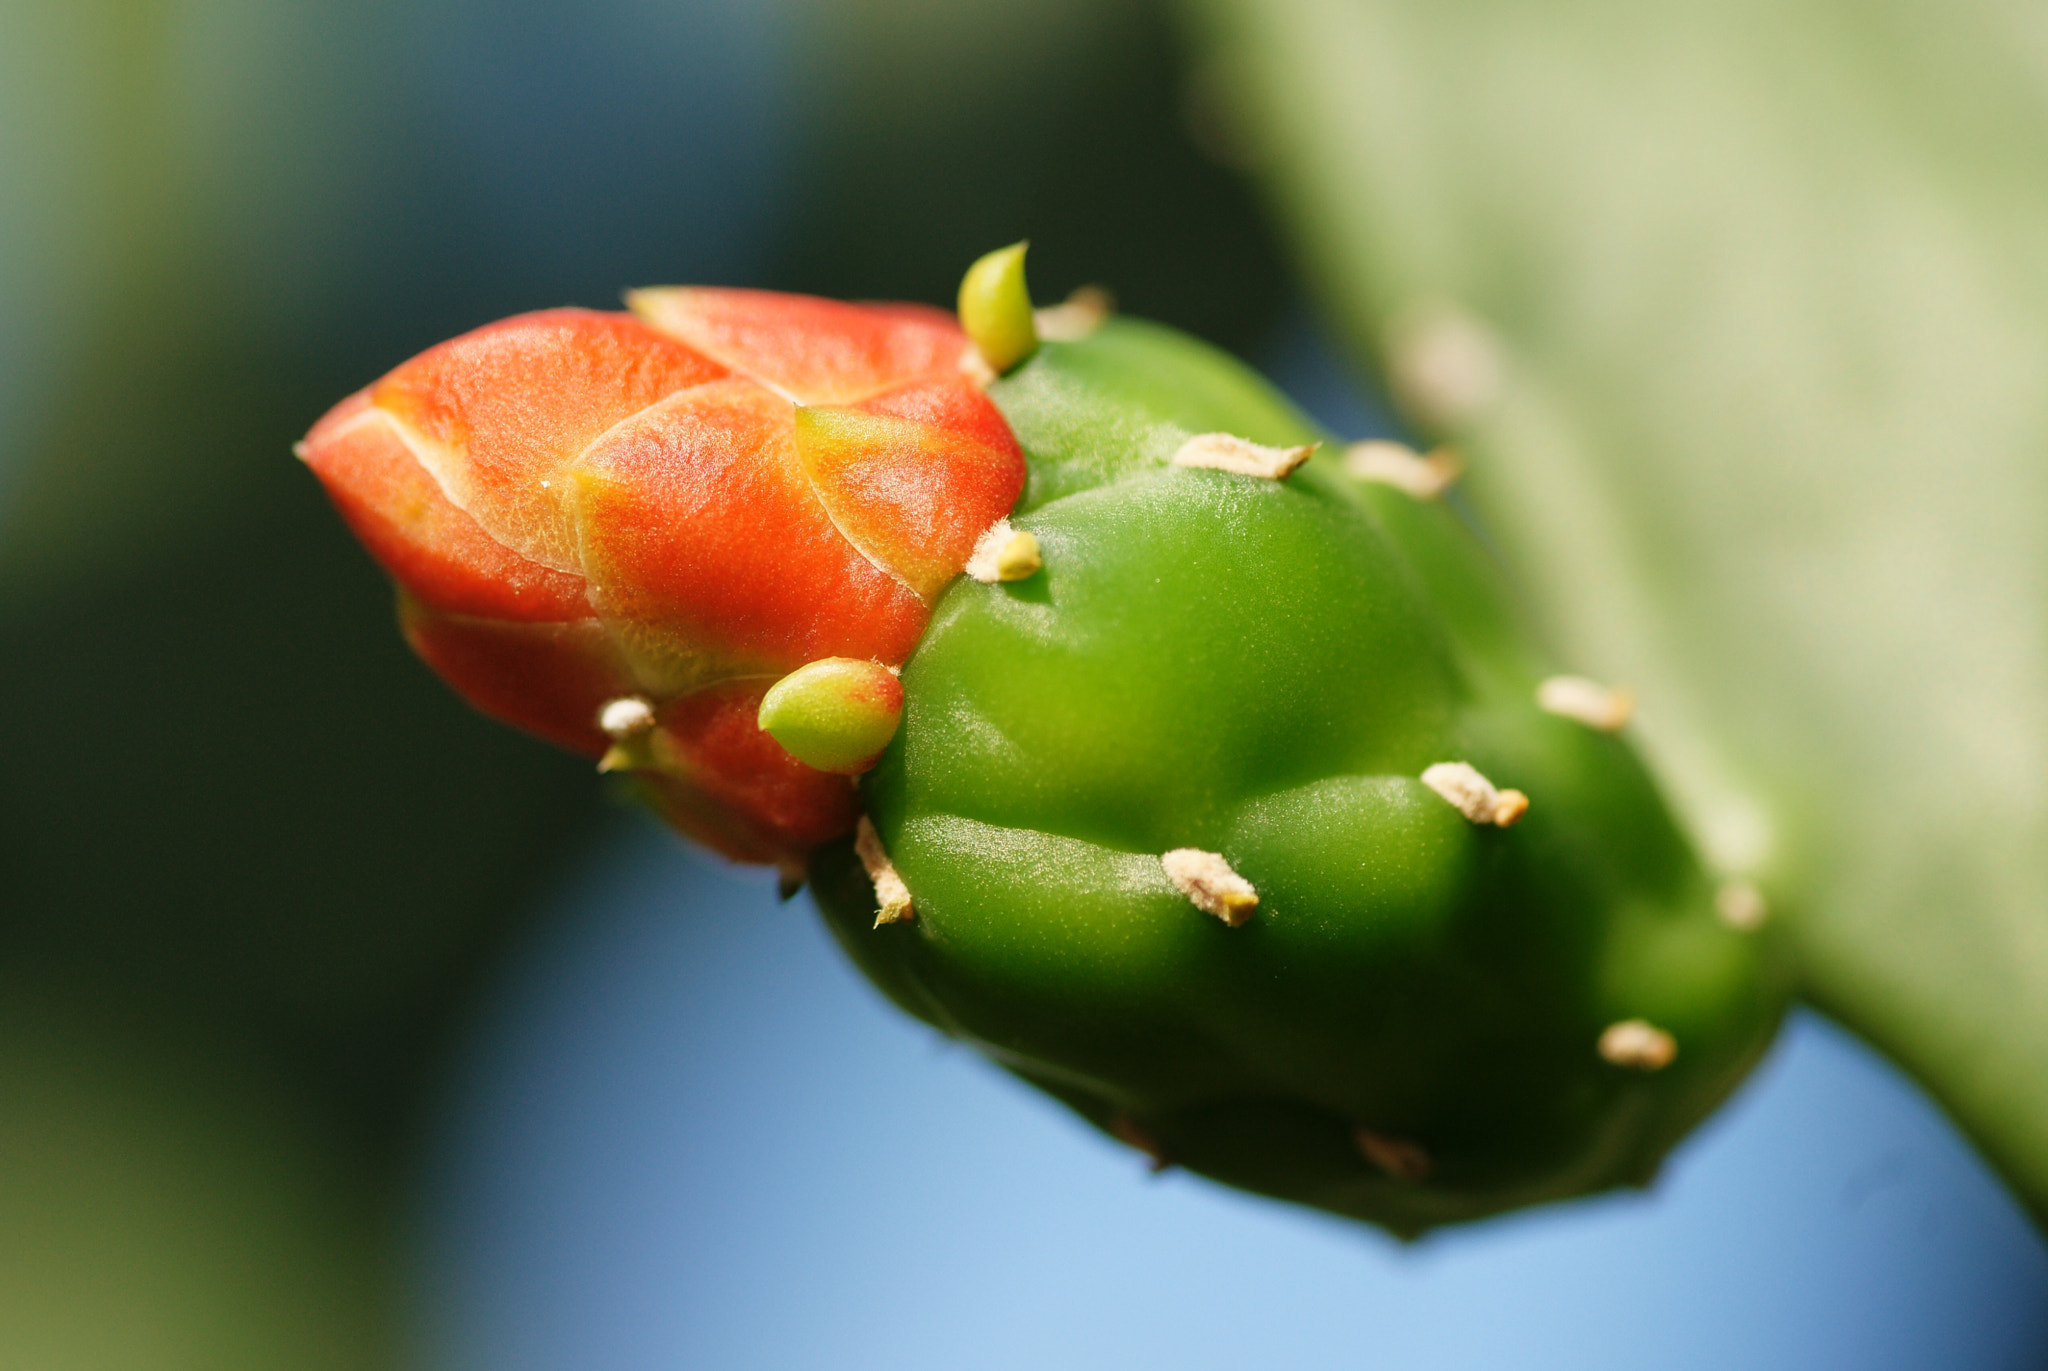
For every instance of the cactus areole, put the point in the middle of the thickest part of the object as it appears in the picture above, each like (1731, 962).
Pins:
(1197, 775)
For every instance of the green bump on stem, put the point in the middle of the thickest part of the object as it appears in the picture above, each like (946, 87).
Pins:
(995, 308)
(835, 714)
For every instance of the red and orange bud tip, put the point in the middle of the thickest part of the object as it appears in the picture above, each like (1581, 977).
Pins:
(434, 549)
(582, 509)
(550, 679)
(710, 553)
(836, 714)
(498, 415)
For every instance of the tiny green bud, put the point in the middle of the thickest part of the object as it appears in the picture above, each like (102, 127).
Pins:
(835, 714)
(1021, 556)
(995, 308)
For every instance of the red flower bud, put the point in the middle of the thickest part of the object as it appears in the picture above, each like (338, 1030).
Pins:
(679, 508)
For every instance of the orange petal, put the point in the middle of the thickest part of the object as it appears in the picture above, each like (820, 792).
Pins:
(549, 679)
(703, 538)
(817, 352)
(430, 547)
(731, 786)
(915, 476)
(498, 413)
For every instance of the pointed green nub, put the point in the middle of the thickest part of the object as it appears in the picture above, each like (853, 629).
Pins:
(995, 308)
(835, 714)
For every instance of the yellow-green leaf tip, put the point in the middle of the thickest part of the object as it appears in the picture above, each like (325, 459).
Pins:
(835, 714)
(995, 308)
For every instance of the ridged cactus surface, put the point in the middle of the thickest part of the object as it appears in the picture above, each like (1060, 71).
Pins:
(1427, 1015)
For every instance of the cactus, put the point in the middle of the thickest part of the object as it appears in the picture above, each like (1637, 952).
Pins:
(1229, 804)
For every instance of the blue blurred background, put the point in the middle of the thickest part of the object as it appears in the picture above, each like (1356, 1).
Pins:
(687, 1134)
(340, 1028)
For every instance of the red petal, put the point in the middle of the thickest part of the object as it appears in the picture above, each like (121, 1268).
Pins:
(914, 477)
(703, 536)
(549, 679)
(819, 352)
(734, 788)
(430, 547)
(498, 413)
(951, 402)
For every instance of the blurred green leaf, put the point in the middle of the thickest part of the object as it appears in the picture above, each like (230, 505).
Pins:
(168, 1204)
(1741, 312)
(932, 132)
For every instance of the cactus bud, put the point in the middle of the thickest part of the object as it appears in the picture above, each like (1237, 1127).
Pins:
(836, 714)
(995, 308)
(701, 541)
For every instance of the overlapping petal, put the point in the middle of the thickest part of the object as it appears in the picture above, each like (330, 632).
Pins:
(815, 352)
(686, 505)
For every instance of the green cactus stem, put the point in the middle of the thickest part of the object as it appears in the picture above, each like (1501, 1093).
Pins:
(1214, 827)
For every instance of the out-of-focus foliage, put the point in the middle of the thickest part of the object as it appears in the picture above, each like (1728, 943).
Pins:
(165, 1209)
(934, 130)
(1741, 311)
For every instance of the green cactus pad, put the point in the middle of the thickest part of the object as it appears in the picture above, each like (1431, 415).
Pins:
(1417, 1021)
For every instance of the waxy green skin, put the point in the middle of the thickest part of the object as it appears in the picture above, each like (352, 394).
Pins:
(1264, 669)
